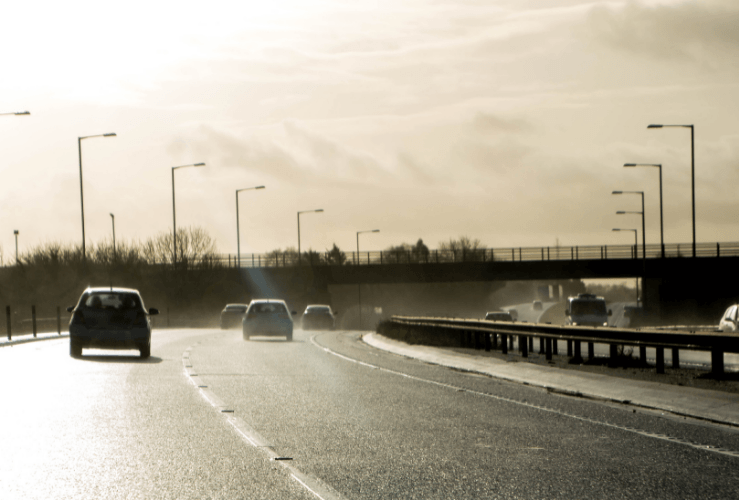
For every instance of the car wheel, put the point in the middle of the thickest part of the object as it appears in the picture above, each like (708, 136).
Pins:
(145, 350)
(246, 336)
(290, 336)
(75, 348)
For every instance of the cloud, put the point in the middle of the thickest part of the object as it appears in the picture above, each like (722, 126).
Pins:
(702, 32)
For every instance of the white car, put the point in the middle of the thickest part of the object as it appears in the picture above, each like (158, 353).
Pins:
(729, 320)
(268, 317)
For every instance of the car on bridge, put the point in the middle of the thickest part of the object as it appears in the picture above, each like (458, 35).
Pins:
(319, 317)
(110, 318)
(268, 317)
(232, 314)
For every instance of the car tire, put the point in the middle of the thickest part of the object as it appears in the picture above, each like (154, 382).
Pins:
(246, 336)
(145, 350)
(290, 337)
(75, 348)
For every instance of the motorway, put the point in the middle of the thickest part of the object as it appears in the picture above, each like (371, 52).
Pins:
(326, 416)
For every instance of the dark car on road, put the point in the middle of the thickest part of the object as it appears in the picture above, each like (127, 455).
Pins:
(319, 317)
(268, 317)
(110, 318)
(232, 314)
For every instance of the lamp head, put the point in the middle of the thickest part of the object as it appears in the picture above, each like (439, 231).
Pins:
(620, 212)
(110, 134)
(23, 113)
(617, 192)
(199, 165)
(16, 232)
(654, 126)
(629, 164)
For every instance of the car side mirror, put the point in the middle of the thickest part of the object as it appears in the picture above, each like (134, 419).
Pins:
(70, 309)
(153, 311)
(610, 312)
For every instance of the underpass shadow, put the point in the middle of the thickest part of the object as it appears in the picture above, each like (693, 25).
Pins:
(100, 358)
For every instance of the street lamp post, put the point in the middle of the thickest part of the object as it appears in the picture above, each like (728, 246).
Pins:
(174, 214)
(359, 283)
(82, 197)
(661, 220)
(15, 232)
(636, 244)
(643, 239)
(692, 168)
(112, 218)
(304, 212)
(238, 238)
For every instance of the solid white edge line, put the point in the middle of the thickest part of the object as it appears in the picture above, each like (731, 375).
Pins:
(662, 437)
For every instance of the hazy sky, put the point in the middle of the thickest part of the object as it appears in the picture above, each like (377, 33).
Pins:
(507, 121)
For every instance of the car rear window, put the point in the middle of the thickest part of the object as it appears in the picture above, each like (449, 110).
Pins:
(112, 300)
(232, 307)
(268, 307)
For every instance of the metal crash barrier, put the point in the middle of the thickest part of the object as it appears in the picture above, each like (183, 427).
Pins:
(483, 334)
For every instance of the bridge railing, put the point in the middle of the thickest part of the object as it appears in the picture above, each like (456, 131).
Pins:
(482, 333)
(514, 254)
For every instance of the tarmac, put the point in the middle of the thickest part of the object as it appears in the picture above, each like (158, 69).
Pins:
(713, 406)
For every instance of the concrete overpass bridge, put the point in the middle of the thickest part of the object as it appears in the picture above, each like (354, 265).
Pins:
(678, 287)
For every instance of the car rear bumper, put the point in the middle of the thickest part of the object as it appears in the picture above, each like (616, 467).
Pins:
(110, 339)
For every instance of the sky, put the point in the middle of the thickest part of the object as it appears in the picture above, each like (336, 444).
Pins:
(505, 121)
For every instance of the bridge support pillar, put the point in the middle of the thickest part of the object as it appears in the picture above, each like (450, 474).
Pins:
(541, 345)
(643, 355)
(675, 357)
(591, 351)
(487, 341)
(504, 343)
(569, 348)
(523, 344)
(548, 343)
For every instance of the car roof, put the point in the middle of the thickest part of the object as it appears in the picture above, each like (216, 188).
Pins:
(266, 301)
(317, 305)
(110, 289)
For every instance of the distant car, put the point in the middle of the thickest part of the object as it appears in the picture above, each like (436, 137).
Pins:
(232, 314)
(728, 321)
(499, 316)
(538, 306)
(110, 318)
(268, 317)
(319, 317)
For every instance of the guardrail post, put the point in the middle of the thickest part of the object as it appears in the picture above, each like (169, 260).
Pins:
(591, 351)
(7, 313)
(660, 360)
(58, 320)
(643, 355)
(675, 357)
(504, 342)
(487, 341)
(524, 345)
(717, 361)
(569, 348)
(33, 319)
(548, 354)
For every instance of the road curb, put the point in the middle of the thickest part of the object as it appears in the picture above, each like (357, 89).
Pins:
(711, 406)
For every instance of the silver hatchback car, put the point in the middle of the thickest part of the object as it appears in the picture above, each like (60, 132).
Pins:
(268, 317)
(110, 318)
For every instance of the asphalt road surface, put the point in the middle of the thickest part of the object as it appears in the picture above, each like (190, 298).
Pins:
(326, 416)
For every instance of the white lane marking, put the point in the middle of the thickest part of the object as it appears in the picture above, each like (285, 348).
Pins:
(663, 437)
(315, 486)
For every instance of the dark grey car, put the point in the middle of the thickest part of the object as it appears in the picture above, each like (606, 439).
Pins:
(110, 318)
